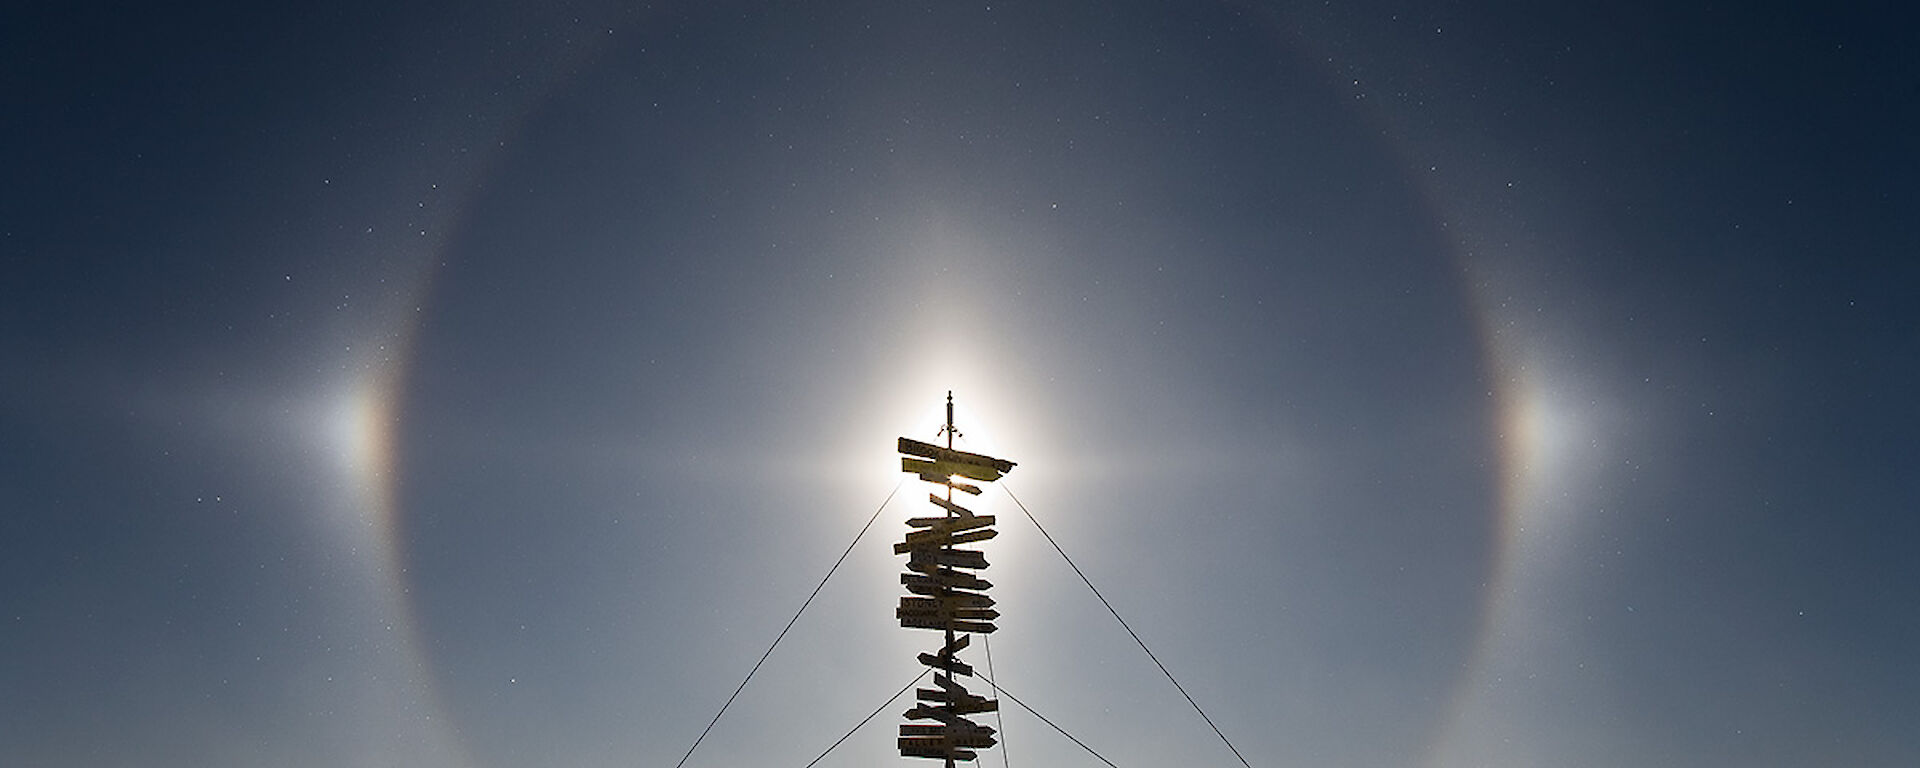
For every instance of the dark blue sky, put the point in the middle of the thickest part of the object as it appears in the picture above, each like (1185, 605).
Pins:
(469, 387)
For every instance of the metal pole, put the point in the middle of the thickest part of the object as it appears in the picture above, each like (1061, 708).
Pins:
(950, 432)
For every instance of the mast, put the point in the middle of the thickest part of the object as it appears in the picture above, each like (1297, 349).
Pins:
(947, 597)
(943, 677)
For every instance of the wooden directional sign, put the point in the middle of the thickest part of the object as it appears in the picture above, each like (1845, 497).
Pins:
(957, 510)
(928, 621)
(935, 472)
(951, 714)
(922, 585)
(967, 735)
(947, 578)
(936, 747)
(949, 606)
(949, 600)
(952, 558)
(945, 660)
(961, 732)
(942, 714)
(921, 539)
(949, 480)
(965, 522)
(954, 695)
(943, 618)
(948, 461)
(947, 663)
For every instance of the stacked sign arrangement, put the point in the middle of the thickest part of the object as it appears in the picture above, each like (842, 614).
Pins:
(947, 597)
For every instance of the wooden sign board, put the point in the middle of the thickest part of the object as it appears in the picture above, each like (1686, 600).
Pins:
(957, 738)
(956, 509)
(960, 702)
(924, 539)
(938, 472)
(951, 714)
(947, 664)
(950, 524)
(952, 558)
(926, 621)
(980, 466)
(946, 577)
(946, 617)
(922, 585)
(965, 731)
(947, 601)
(935, 747)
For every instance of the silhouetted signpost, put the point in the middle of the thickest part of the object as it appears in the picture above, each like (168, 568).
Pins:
(947, 597)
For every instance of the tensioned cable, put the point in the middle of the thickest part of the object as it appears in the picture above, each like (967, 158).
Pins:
(1043, 718)
(986, 643)
(796, 617)
(870, 715)
(1123, 625)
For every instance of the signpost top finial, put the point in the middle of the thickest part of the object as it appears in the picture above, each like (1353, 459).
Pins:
(950, 430)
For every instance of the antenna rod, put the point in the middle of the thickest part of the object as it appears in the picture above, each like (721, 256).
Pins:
(950, 430)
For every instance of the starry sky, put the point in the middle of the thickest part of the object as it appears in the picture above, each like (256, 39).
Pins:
(483, 385)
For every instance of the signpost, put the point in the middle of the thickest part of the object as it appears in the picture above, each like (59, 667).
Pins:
(947, 597)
